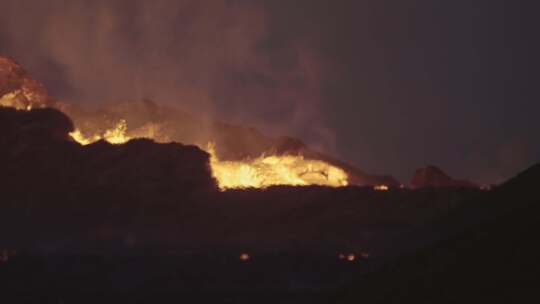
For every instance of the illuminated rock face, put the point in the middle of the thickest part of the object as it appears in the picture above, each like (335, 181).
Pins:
(18, 89)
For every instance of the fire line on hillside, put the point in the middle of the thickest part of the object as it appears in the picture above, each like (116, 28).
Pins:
(258, 172)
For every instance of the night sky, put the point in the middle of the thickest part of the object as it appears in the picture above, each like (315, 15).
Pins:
(388, 85)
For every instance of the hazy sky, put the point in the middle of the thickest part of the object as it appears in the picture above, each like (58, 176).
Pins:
(387, 85)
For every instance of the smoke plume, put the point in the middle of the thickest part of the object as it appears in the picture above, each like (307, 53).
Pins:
(212, 58)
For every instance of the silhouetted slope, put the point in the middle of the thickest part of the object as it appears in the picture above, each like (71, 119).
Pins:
(434, 177)
(51, 185)
(59, 194)
(38, 152)
(495, 261)
(144, 217)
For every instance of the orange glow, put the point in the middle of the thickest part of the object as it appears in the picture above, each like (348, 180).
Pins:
(21, 92)
(20, 99)
(272, 170)
(115, 135)
(348, 257)
(381, 188)
(260, 172)
(244, 257)
(119, 134)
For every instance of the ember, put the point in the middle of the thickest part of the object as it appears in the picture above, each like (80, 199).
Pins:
(244, 257)
(348, 257)
(381, 188)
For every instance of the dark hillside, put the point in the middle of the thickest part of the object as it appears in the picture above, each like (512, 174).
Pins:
(144, 218)
(495, 261)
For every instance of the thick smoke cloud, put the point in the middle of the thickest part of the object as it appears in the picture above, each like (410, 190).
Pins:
(208, 57)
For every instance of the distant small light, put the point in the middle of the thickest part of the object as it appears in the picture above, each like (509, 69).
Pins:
(351, 257)
(341, 256)
(381, 188)
(244, 257)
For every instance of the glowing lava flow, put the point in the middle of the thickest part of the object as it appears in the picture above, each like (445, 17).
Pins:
(260, 172)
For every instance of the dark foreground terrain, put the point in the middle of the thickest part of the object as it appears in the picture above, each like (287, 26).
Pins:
(144, 222)
(491, 255)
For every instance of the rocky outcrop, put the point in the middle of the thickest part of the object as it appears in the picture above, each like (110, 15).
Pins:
(434, 177)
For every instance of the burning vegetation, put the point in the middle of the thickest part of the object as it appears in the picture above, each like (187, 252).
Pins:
(266, 169)
(17, 89)
(273, 170)
(239, 157)
(259, 172)
(116, 135)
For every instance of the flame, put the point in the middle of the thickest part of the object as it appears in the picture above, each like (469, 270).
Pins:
(115, 135)
(260, 172)
(381, 188)
(265, 171)
(20, 100)
(79, 137)
(28, 96)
